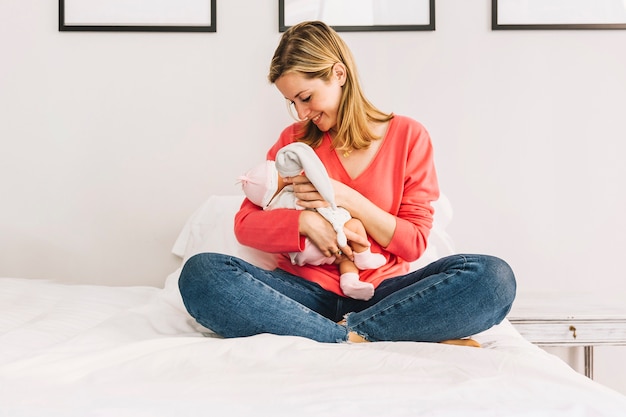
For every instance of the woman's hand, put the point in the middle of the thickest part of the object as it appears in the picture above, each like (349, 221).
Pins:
(321, 233)
(306, 193)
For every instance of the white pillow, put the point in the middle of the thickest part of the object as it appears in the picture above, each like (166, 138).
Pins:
(211, 229)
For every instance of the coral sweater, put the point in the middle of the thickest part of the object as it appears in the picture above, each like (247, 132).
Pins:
(401, 180)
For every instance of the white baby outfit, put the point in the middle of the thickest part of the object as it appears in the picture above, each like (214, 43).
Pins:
(260, 185)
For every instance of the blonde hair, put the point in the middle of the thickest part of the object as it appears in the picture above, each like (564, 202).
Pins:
(312, 49)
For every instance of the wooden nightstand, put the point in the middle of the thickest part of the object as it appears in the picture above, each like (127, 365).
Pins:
(562, 319)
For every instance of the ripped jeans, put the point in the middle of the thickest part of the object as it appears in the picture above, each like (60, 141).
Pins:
(452, 298)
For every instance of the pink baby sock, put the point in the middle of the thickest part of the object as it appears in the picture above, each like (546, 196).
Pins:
(354, 288)
(369, 260)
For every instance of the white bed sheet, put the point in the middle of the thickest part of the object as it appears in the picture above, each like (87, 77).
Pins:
(86, 351)
(70, 350)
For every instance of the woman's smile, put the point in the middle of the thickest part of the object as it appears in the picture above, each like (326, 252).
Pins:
(316, 119)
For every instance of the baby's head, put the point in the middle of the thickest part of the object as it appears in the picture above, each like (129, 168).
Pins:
(260, 183)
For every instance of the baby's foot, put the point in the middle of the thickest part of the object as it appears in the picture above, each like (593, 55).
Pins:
(354, 288)
(368, 260)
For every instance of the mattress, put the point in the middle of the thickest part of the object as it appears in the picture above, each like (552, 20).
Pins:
(75, 350)
(95, 350)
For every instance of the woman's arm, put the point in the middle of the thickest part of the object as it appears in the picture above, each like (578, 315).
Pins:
(274, 231)
(379, 224)
(395, 204)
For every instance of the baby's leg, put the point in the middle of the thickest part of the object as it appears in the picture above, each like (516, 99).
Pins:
(355, 225)
(363, 256)
(350, 283)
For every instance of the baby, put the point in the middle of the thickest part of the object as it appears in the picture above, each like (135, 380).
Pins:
(265, 187)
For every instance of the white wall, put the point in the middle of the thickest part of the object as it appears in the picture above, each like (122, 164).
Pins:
(111, 140)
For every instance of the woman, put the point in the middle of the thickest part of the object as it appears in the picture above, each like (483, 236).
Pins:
(383, 174)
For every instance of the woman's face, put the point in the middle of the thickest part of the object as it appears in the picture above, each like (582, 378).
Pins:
(314, 99)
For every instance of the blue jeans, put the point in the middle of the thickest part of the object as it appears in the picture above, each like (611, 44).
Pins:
(451, 298)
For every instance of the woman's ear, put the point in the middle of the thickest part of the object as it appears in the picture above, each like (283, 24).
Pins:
(340, 72)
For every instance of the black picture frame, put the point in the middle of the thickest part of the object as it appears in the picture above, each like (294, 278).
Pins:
(538, 24)
(65, 26)
(429, 26)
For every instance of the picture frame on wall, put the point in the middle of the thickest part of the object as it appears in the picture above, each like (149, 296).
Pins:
(360, 15)
(138, 15)
(557, 14)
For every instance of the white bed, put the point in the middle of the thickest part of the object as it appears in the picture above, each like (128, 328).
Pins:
(84, 350)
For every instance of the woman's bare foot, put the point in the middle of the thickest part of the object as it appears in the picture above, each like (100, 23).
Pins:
(461, 342)
(355, 338)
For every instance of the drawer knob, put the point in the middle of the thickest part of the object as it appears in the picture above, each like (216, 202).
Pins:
(573, 329)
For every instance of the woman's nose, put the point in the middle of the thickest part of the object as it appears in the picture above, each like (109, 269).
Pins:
(302, 110)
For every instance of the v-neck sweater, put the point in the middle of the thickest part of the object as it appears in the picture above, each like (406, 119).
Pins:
(401, 179)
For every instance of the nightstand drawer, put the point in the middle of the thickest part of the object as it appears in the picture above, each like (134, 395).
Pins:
(572, 332)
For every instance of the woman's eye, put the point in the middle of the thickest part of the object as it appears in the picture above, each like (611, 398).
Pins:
(306, 99)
